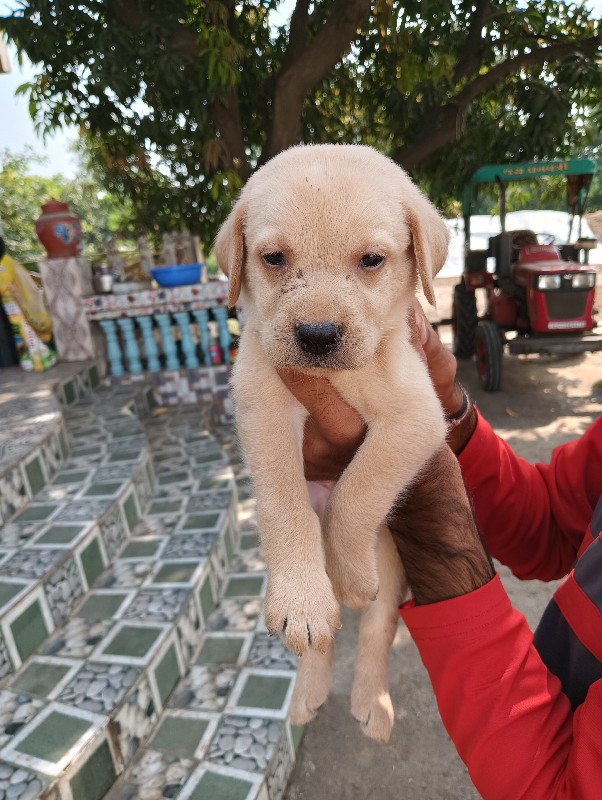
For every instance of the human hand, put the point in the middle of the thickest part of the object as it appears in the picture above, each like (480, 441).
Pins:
(440, 361)
(333, 430)
(442, 368)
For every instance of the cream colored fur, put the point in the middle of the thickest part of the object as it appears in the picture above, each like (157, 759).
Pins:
(325, 207)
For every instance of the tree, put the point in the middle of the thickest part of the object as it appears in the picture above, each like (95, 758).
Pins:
(182, 99)
(102, 213)
(21, 195)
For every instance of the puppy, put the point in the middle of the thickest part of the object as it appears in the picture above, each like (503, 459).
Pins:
(325, 247)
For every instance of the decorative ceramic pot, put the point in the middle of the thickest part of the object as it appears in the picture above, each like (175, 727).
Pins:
(59, 229)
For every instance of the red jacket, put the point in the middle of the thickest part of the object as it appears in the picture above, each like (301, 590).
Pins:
(525, 715)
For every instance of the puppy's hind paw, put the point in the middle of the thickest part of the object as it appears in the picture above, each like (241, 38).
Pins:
(311, 687)
(301, 712)
(375, 715)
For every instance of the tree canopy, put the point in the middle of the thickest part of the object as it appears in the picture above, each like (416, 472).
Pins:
(180, 100)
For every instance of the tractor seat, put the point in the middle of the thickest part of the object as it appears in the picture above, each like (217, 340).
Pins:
(520, 240)
(534, 253)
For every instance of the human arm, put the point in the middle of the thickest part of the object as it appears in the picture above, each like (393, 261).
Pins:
(533, 516)
(505, 712)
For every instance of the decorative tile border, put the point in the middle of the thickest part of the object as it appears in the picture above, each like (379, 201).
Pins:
(206, 386)
(153, 301)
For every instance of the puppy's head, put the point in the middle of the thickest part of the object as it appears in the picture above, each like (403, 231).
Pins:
(326, 244)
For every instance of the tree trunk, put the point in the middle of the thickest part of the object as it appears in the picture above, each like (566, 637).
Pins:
(304, 66)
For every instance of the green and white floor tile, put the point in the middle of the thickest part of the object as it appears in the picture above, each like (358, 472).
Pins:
(133, 658)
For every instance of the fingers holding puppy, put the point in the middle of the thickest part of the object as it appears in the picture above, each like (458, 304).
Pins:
(333, 430)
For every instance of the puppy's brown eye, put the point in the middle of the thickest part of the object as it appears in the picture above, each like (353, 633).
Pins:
(275, 259)
(371, 261)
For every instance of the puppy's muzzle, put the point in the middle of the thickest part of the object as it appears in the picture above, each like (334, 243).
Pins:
(318, 339)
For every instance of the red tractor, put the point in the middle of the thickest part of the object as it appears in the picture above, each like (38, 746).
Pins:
(539, 295)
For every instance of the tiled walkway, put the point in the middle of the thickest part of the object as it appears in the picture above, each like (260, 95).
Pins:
(134, 661)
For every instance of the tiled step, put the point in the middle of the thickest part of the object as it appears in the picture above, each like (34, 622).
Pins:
(81, 705)
(33, 439)
(51, 553)
(160, 680)
(224, 732)
(54, 549)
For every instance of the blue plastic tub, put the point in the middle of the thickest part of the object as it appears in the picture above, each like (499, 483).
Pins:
(177, 274)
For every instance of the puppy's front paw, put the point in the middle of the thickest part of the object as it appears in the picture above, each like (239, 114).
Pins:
(304, 610)
(355, 583)
(374, 712)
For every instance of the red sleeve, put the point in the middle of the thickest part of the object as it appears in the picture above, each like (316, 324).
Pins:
(503, 709)
(534, 517)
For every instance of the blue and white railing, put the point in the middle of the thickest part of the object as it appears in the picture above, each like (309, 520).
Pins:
(163, 329)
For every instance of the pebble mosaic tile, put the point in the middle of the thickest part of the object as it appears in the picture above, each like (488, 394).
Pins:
(21, 783)
(104, 604)
(99, 687)
(211, 783)
(132, 600)
(156, 605)
(44, 677)
(16, 710)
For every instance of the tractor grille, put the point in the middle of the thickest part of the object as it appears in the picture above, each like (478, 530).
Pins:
(566, 305)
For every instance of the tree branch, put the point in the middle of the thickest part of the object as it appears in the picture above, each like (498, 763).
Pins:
(441, 123)
(544, 55)
(226, 117)
(298, 34)
(473, 46)
(312, 63)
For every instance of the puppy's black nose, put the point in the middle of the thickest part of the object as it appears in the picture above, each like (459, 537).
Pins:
(318, 339)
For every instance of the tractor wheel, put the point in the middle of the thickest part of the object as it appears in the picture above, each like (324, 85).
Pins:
(489, 352)
(464, 321)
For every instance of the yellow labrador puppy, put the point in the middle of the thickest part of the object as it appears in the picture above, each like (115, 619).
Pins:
(325, 247)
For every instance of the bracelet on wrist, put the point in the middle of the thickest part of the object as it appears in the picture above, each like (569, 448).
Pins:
(458, 417)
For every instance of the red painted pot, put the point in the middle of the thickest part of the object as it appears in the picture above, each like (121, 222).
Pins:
(59, 230)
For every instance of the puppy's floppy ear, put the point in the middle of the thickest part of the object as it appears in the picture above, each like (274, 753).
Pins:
(430, 239)
(230, 250)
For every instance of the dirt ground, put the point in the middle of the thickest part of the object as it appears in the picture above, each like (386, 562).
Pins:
(544, 401)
